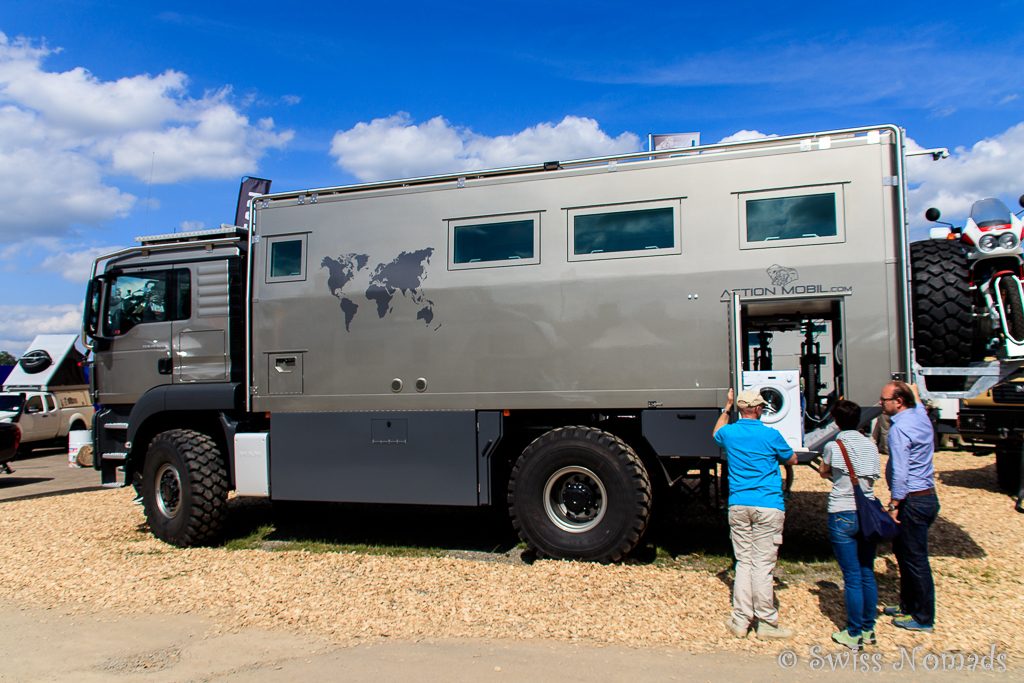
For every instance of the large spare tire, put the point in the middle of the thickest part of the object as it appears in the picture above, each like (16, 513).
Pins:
(944, 333)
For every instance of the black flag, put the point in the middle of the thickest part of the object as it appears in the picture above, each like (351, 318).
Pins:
(249, 189)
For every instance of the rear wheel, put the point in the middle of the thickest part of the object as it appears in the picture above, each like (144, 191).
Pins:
(944, 330)
(184, 488)
(579, 493)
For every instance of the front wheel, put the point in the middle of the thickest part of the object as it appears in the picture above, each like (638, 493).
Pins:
(184, 488)
(1009, 292)
(579, 493)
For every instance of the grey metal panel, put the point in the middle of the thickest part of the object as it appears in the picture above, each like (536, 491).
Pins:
(338, 457)
(681, 432)
(285, 373)
(616, 333)
(202, 356)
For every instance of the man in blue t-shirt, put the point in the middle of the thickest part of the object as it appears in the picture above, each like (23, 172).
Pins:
(754, 452)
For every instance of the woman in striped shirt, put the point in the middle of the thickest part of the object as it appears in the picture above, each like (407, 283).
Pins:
(856, 555)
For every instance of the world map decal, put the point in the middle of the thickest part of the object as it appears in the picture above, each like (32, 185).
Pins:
(402, 276)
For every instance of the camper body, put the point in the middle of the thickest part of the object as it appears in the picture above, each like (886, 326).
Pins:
(559, 337)
(47, 393)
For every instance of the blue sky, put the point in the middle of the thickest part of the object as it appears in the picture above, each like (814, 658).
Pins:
(125, 118)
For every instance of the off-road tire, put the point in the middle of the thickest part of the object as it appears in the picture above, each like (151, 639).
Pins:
(1008, 453)
(190, 462)
(593, 461)
(944, 329)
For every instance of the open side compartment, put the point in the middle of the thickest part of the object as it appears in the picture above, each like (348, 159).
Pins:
(791, 350)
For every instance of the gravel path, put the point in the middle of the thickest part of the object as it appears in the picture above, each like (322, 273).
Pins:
(92, 550)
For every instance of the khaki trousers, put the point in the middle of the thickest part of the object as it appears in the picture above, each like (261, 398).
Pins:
(756, 535)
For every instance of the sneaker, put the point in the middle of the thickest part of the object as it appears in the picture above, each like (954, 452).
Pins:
(893, 611)
(846, 640)
(907, 622)
(738, 631)
(766, 631)
(868, 637)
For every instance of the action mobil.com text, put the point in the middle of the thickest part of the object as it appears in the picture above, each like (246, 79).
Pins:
(784, 290)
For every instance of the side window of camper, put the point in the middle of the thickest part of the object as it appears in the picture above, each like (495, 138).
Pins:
(628, 230)
(286, 258)
(491, 241)
(147, 297)
(791, 217)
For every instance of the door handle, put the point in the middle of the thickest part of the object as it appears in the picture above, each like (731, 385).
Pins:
(164, 366)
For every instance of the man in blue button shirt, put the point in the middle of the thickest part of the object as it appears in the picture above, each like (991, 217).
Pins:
(910, 473)
(754, 452)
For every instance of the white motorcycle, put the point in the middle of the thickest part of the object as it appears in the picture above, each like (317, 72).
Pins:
(968, 298)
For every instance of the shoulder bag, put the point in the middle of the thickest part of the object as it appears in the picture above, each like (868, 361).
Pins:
(875, 523)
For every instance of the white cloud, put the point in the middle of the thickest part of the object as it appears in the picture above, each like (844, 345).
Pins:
(76, 265)
(20, 324)
(191, 226)
(220, 143)
(48, 190)
(62, 134)
(990, 168)
(395, 147)
(744, 135)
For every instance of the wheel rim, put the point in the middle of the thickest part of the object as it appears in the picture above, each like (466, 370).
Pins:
(168, 491)
(575, 499)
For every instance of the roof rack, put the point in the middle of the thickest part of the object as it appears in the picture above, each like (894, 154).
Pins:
(194, 235)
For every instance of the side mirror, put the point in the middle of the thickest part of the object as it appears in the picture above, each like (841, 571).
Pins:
(934, 214)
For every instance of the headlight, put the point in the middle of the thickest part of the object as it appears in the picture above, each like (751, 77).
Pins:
(1008, 240)
(988, 242)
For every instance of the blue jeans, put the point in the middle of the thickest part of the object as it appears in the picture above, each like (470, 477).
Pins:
(917, 588)
(857, 560)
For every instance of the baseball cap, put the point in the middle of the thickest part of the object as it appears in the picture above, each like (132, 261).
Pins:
(750, 398)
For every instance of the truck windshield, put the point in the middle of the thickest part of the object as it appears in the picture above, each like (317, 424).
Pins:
(10, 403)
(990, 212)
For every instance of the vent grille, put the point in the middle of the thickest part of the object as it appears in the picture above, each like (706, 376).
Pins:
(1012, 392)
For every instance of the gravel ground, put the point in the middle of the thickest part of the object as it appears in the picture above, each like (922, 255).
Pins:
(92, 550)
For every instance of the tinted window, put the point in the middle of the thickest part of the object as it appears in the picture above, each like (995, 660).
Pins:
(511, 240)
(183, 299)
(34, 405)
(143, 298)
(787, 218)
(286, 258)
(599, 233)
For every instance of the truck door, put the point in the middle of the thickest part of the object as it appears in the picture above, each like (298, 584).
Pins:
(137, 319)
(39, 420)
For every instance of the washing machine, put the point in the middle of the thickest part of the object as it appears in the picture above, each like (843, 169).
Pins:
(781, 390)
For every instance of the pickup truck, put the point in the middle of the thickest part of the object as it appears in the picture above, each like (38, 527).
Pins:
(46, 417)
